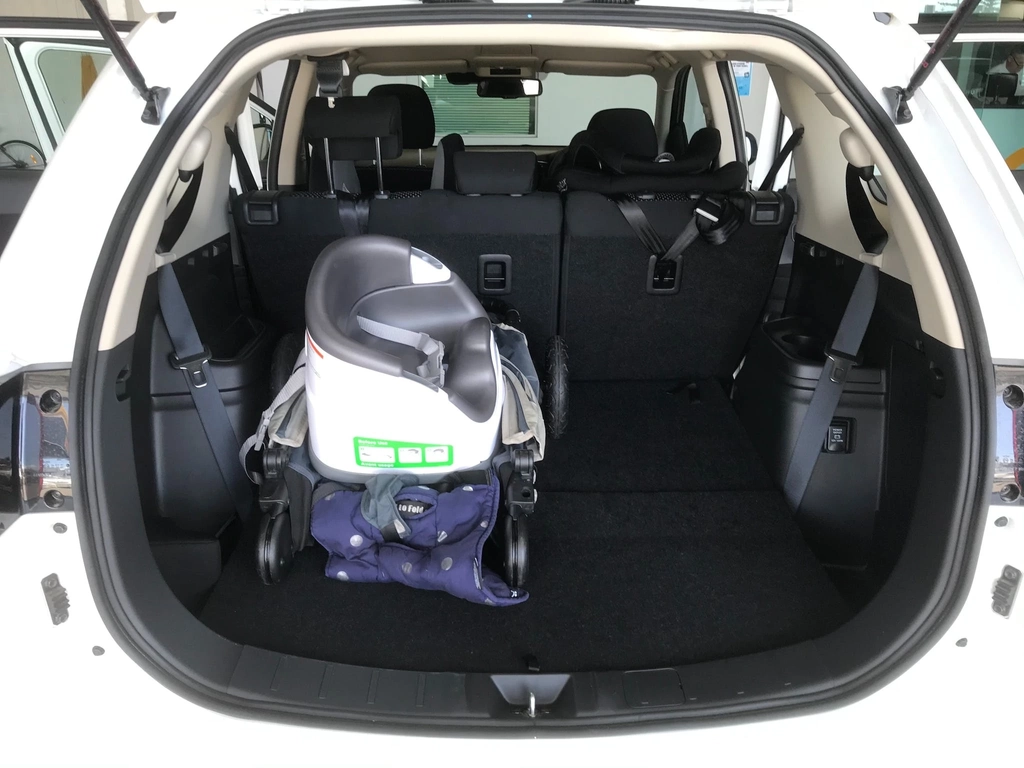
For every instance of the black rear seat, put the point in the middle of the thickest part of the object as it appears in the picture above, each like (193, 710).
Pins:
(283, 232)
(582, 272)
(493, 221)
(616, 329)
(622, 315)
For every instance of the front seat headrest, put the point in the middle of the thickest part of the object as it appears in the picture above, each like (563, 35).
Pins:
(354, 124)
(417, 113)
(630, 131)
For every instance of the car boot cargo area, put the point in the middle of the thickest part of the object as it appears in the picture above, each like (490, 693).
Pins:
(658, 539)
(675, 323)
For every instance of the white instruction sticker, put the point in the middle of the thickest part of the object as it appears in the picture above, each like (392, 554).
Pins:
(410, 455)
(377, 455)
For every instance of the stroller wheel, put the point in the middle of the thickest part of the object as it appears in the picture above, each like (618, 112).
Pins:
(556, 388)
(516, 552)
(274, 548)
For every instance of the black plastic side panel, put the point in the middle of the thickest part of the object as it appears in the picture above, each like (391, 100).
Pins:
(857, 509)
(141, 589)
(181, 481)
(771, 396)
(914, 586)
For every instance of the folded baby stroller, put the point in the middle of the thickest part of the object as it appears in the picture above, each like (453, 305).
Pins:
(404, 438)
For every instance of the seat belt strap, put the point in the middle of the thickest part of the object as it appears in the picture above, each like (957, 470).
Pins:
(683, 240)
(840, 358)
(785, 152)
(842, 355)
(245, 177)
(177, 219)
(719, 223)
(239, 268)
(354, 213)
(431, 370)
(637, 220)
(193, 358)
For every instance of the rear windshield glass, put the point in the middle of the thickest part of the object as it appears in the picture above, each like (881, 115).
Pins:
(551, 119)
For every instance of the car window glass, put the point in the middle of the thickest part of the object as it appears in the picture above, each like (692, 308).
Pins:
(262, 127)
(991, 76)
(19, 145)
(563, 108)
(693, 111)
(68, 75)
(987, 11)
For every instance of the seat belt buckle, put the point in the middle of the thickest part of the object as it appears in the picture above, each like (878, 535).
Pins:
(709, 208)
(521, 496)
(716, 218)
(192, 367)
(841, 364)
(663, 274)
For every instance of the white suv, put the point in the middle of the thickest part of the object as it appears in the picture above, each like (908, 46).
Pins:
(776, 513)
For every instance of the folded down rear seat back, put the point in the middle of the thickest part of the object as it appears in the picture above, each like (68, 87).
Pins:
(495, 220)
(616, 330)
(281, 235)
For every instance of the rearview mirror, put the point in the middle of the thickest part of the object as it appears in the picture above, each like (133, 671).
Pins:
(508, 88)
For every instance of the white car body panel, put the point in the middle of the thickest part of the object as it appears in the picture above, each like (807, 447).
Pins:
(955, 705)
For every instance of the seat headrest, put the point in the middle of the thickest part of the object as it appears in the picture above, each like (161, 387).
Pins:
(443, 176)
(417, 113)
(494, 173)
(630, 131)
(353, 125)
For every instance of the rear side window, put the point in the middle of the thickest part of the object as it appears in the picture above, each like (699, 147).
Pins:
(991, 76)
(68, 76)
(551, 119)
(19, 144)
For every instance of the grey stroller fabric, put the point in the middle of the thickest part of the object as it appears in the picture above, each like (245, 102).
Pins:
(512, 347)
(522, 421)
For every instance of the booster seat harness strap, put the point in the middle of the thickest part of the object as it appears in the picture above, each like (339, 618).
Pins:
(193, 358)
(431, 369)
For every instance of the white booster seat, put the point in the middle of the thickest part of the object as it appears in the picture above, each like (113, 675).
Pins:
(403, 375)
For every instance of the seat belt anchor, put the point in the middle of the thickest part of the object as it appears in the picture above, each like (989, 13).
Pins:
(192, 367)
(841, 364)
(521, 496)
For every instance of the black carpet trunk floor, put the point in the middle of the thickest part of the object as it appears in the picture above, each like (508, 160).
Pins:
(658, 540)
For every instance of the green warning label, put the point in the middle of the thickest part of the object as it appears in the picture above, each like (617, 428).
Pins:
(371, 452)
